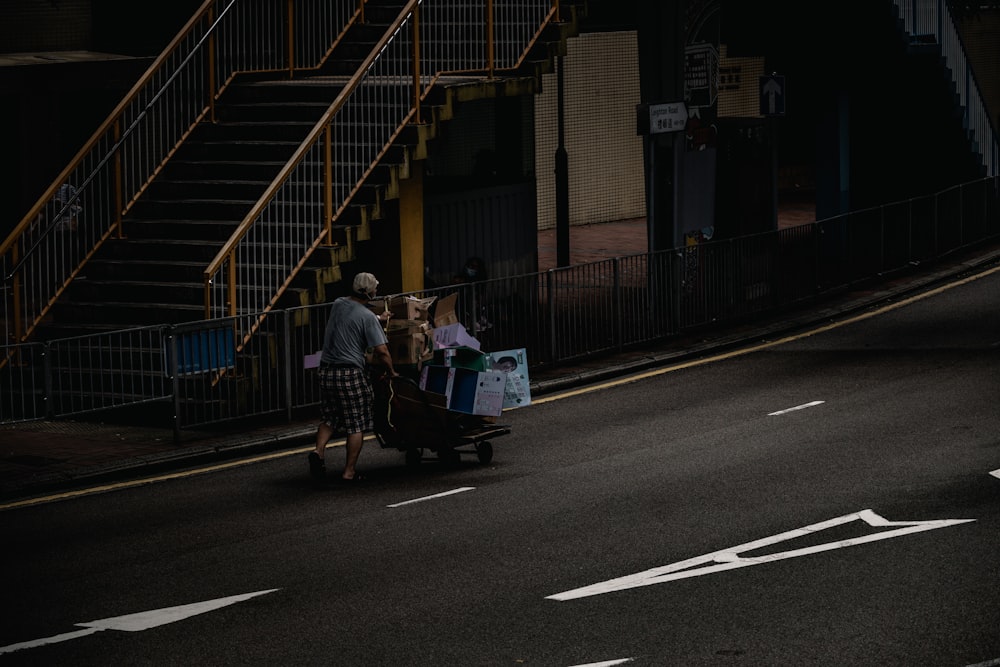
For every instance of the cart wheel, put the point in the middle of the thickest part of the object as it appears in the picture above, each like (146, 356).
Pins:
(484, 450)
(449, 456)
(414, 456)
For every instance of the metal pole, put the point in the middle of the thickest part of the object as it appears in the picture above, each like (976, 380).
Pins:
(562, 175)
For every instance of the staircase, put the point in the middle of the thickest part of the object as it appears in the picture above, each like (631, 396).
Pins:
(154, 274)
(249, 177)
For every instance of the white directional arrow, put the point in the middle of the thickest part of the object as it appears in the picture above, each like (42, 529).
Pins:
(729, 559)
(143, 620)
(772, 89)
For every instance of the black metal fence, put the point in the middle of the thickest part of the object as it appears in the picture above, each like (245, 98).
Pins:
(204, 373)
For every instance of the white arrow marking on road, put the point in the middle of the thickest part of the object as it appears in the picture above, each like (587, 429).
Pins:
(729, 559)
(797, 407)
(143, 620)
(436, 495)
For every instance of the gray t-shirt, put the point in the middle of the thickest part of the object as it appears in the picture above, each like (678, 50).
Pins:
(350, 331)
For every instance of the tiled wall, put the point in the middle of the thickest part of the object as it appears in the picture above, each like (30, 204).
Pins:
(65, 25)
(601, 77)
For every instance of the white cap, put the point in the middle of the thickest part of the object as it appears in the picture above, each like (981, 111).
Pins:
(365, 283)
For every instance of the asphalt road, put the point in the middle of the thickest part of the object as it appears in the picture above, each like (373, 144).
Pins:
(823, 500)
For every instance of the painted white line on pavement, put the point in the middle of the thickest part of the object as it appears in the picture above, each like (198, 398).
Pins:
(988, 663)
(996, 473)
(143, 620)
(436, 495)
(609, 663)
(729, 559)
(797, 407)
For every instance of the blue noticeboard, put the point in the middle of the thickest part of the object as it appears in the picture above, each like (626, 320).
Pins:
(772, 95)
(205, 351)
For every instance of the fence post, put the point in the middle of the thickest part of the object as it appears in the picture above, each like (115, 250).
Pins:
(286, 333)
(616, 303)
(881, 239)
(552, 315)
(47, 380)
(961, 214)
(174, 381)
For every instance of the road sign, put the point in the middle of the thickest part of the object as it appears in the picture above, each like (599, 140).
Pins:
(660, 118)
(772, 95)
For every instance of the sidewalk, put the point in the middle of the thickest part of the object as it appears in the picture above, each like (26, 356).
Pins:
(42, 457)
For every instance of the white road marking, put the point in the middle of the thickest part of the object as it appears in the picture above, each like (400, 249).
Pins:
(143, 620)
(988, 663)
(996, 473)
(608, 663)
(797, 407)
(729, 559)
(436, 495)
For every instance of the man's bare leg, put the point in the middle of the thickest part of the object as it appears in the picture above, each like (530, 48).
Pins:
(354, 444)
(323, 435)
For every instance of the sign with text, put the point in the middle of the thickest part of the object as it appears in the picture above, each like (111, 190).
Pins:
(660, 118)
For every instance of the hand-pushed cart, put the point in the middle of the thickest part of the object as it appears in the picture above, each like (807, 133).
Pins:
(413, 421)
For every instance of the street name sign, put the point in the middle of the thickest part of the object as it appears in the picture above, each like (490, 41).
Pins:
(661, 118)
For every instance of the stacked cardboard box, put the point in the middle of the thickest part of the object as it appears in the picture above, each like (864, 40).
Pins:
(478, 383)
(411, 329)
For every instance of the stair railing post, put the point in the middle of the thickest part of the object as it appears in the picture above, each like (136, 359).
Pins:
(291, 38)
(118, 202)
(327, 186)
(416, 64)
(18, 322)
(361, 11)
(557, 14)
(489, 39)
(231, 285)
(211, 65)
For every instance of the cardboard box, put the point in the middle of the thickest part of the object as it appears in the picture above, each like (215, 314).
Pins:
(454, 335)
(515, 364)
(403, 307)
(411, 308)
(466, 391)
(410, 348)
(437, 380)
(444, 311)
(477, 392)
(398, 327)
(462, 357)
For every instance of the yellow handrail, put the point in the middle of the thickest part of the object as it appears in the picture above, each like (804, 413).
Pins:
(226, 258)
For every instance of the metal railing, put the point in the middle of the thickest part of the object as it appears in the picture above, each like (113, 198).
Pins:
(925, 20)
(297, 213)
(204, 373)
(85, 204)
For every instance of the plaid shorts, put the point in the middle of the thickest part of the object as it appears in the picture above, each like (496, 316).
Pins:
(345, 399)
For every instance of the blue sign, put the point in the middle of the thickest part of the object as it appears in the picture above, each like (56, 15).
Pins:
(772, 95)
